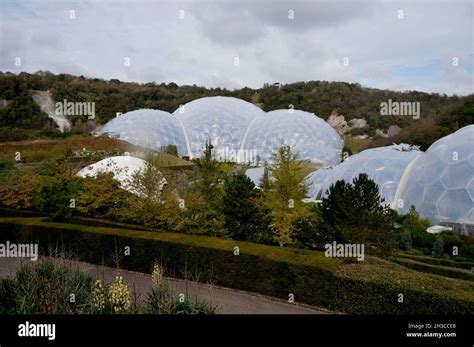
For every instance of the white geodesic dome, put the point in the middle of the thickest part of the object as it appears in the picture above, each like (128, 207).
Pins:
(384, 165)
(222, 120)
(312, 137)
(148, 128)
(238, 130)
(123, 169)
(440, 183)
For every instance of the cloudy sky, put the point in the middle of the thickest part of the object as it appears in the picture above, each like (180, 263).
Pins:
(402, 45)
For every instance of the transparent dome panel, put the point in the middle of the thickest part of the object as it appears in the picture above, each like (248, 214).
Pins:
(443, 176)
(384, 165)
(148, 128)
(222, 120)
(309, 135)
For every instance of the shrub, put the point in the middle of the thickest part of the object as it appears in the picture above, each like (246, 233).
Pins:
(405, 240)
(371, 286)
(438, 247)
(56, 189)
(162, 300)
(46, 288)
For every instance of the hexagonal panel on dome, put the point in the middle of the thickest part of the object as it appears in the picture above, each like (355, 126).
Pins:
(456, 175)
(454, 204)
(309, 135)
(148, 128)
(470, 189)
(432, 172)
(384, 165)
(222, 120)
(470, 217)
(445, 179)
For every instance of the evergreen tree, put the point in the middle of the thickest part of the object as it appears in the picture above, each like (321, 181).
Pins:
(355, 213)
(244, 220)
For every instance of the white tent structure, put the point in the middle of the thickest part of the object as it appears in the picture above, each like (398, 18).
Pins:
(123, 169)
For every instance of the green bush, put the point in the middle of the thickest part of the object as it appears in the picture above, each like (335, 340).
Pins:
(45, 288)
(368, 287)
(162, 300)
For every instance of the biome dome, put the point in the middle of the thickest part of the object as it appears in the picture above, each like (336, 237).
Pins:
(255, 174)
(309, 135)
(123, 169)
(384, 165)
(222, 120)
(148, 128)
(440, 183)
(238, 130)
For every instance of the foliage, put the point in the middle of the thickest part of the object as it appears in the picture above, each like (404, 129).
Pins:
(209, 173)
(46, 288)
(369, 287)
(202, 202)
(285, 191)
(405, 240)
(56, 189)
(308, 232)
(21, 111)
(162, 300)
(318, 97)
(146, 202)
(244, 218)
(438, 247)
(101, 196)
(423, 132)
(119, 295)
(355, 213)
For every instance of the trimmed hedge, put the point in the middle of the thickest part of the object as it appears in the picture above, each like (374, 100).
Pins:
(368, 287)
(436, 269)
(456, 263)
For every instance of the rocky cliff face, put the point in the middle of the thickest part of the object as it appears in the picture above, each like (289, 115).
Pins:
(46, 104)
(391, 131)
(339, 123)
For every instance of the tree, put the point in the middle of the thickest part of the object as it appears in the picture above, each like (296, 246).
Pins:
(284, 194)
(146, 203)
(244, 219)
(56, 189)
(102, 196)
(307, 228)
(355, 213)
(203, 199)
(209, 173)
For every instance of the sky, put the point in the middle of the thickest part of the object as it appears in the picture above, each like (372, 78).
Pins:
(401, 45)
